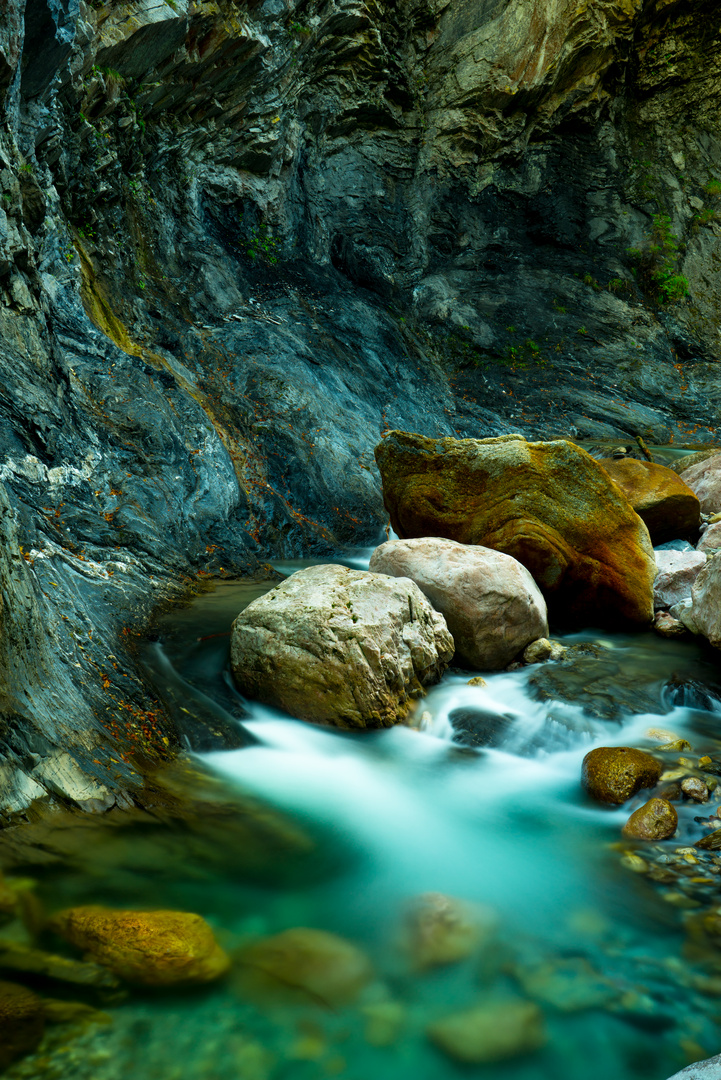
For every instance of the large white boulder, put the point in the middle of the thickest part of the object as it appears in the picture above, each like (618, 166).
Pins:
(704, 479)
(677, 571)
(701, 1070)
(492, 605)
(341, 647)
(706, 602)
(710, 541)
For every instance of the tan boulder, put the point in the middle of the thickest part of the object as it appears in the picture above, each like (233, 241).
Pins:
(342, 647)
(612, 774)
(306, 963)
(549, 505)
(22, 1022)
(154, 948)
(490, 602)
(704, 479)
(659, 496)
(493, 1032)
(655, 820)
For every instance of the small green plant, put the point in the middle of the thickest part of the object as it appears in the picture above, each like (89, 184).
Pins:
(589, 279)
(260, 244)
(558, 306)
(298, 28)
(26, 167)
(713, 187)
(582, 330)
(656, 263)
(618, 285)
(704, 216)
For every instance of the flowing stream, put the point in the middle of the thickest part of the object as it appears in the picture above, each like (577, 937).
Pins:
(479, 800)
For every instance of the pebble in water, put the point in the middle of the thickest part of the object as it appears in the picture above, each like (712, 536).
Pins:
(655, 820)
(695, 789)
(443, 930)
(612, 774)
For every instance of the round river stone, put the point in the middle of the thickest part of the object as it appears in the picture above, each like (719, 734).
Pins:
(612, 774)
(655, 820)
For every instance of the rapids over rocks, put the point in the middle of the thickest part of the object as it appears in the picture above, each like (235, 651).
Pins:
(587, 942)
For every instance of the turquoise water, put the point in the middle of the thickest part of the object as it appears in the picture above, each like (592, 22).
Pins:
(386, 816)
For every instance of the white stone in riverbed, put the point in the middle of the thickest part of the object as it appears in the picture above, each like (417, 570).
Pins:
(492, 605)
(677, 571)
(710, 542)
(341, 647)
(705, 614)
(704, 479)
(702, 1070)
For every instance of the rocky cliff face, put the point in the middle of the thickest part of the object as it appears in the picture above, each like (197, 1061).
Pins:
(239, 240)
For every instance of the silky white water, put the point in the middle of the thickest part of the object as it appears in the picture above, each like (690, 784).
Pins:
(480, 800)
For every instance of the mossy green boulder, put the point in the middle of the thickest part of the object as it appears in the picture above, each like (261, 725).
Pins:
(612, 774)
(548, 504)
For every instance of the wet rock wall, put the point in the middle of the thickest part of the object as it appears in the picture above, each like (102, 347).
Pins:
(239, 241)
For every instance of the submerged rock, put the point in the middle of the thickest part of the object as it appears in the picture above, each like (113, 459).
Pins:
(549, 504)
(383, 1022)
(340, 647)
(490, 602)
(659, 496)
(568, 985)
(655, 820)
(595, 682)
(23, 958)
(22, 1022)
(314, 964)
(480, 727)
(704, 479)
(154, 948)
(490, 1032)
(443, 930)
(612, 774)
(543, 649)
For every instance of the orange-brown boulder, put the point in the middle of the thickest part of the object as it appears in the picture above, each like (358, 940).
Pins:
(550, 505)
(155, 948)
(659, 496)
